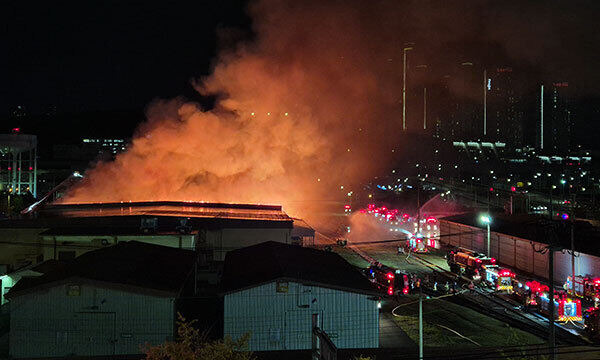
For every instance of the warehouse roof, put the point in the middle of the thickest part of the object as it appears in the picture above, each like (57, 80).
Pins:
(268, 261)
(131, 265)
(169, 208)
(539, 229)
(110, 231)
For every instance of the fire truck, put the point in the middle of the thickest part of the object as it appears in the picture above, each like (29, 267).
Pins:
(530, 293)
(418, 244)
(388, 279)
(501, 279)
(585, 287)
(565, 308)
(480, 268)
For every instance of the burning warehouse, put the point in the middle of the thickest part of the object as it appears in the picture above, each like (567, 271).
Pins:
(65, 231)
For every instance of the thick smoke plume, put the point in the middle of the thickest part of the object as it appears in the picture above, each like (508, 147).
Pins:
(310, 105)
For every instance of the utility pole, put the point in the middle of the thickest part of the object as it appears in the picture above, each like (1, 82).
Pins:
(404, 88)
(551, 338)
(420, 323)
(542, 118)
(573, 244)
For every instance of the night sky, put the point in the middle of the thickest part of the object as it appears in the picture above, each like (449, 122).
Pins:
(111, 56)
(116, 57)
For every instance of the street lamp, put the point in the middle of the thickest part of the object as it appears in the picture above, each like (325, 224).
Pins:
(487, 219)
(404, 87)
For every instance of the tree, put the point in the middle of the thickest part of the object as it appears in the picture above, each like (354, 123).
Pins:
(191, 344)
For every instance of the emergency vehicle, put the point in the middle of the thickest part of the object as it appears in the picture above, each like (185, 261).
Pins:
(585, 287)
(388, 279)
(480, 268)
(565, 308)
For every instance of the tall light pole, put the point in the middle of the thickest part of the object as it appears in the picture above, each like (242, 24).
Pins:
(485, 89)
(424, 108)
(404, 87)
(542, 117)
(486, 219)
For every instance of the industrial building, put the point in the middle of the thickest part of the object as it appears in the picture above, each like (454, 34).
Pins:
(65, 231)
(273, 291)
(18, 163)
(106, 302)
(519, 242)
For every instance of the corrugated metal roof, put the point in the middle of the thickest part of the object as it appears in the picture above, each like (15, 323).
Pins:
(170, 208)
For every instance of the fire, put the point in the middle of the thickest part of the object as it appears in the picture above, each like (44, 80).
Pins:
(289, 106)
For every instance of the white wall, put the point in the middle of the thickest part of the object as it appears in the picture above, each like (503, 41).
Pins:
(283, 321)
(519, 253)
(82, 244)
(50, 323)
(225, 240)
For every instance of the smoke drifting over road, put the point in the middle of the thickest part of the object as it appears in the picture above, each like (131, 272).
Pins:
(311, 104)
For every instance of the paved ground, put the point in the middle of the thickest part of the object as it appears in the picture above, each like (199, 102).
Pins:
(390, 334)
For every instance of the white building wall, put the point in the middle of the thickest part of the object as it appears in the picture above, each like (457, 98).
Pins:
(97, 322)
(81, 244)
(283, 321)
(520, 253)
(225, 240)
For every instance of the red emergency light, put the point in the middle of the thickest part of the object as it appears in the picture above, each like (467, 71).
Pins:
(405, 290)
(513, 189)
(390, 275)
(390, 290)
(506, 273)
(346, 206)
(493, 260)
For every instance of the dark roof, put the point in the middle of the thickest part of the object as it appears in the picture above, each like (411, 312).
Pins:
(48, 265)
(108, 231)
(538, 228)
(130, 264)
(264, 262)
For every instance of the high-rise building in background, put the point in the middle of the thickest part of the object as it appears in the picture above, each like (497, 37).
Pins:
(558, 123)
(504, 116)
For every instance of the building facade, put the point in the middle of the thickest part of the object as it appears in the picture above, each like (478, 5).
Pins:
(273, 291)
(278, 316)
(79, 319)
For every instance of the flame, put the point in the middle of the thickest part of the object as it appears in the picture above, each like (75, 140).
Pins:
(289, 106)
